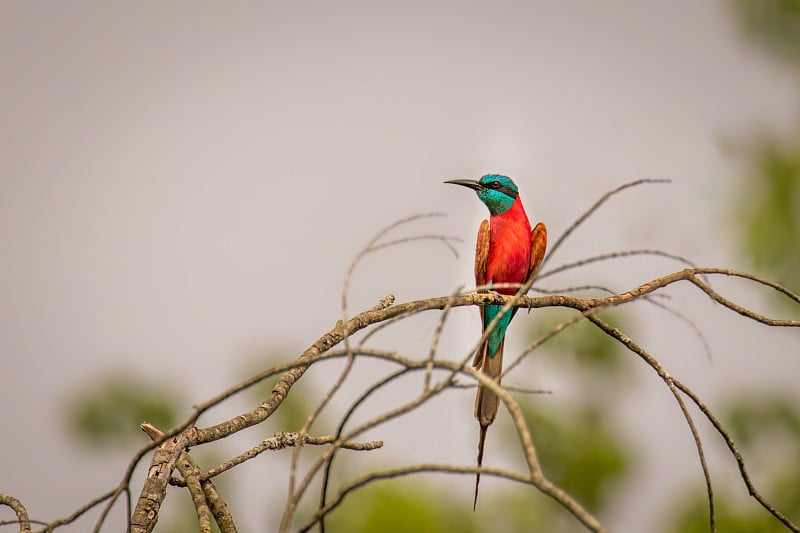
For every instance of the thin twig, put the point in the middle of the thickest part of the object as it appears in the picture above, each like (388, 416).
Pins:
(615, 255)
(279, 441)
(50, 526)
(364, 480)
(303, 486)
(339, 430)
(668, 380)
(737, 455)
(551, 332)
(686, 320)
(537, 477)
(586, 214)
(435, 340)
(311, 417)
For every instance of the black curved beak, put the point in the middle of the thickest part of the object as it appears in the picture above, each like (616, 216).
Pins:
(471, 184)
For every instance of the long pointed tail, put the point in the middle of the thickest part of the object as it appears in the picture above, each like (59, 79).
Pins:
(486, 403)
(481, 440)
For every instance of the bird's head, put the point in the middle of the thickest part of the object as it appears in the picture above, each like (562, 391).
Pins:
(495, 191)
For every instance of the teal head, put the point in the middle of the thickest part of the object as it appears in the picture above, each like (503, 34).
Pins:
(496, 191)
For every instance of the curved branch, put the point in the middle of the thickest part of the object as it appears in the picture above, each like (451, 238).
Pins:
(675, 384)
(586, 214)
(614, 255)
(666, 378)
(19, 510)
(737, 455)
(366, 479)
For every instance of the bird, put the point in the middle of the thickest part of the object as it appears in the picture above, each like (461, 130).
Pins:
(507, 252)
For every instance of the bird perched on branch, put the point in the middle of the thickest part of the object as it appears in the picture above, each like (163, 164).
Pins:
(507, 252)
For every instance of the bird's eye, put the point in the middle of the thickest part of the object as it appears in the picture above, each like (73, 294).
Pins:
(495, 185)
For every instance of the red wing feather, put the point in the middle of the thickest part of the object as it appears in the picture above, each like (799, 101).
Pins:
(482, 255)
(538, 247)
(481, 261)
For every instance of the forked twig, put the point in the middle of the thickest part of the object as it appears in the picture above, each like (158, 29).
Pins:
(586, 214)
(615, 255)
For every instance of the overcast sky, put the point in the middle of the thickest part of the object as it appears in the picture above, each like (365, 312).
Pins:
(182, 186)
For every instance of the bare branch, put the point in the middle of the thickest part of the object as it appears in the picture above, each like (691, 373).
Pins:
(154, 490)
(219, 509)
(171, 446)
(686, 320)
(536, 476)
(635, 348)
(552, 332)
(191, 473)
(742, 310)
(345, 418)
(311, 417)
(366, 479)
(282, 440)
(204, 494)
(614, 255)
(435, 340)
(737, 455)
(19, 509)
(581, 219)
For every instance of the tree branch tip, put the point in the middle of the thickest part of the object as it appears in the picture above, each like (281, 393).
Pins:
(153, 432)
(363, 446)
(643, 181)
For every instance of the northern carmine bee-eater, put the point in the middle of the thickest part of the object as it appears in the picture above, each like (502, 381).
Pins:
(509, 253)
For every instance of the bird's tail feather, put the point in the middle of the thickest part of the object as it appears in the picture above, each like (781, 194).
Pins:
(486, 402)
(481, 440)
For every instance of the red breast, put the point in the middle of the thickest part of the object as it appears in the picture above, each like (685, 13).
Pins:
(509, 247)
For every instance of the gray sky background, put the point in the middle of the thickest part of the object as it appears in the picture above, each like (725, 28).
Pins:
(183, 185)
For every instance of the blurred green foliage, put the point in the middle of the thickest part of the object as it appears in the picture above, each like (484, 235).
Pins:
(580, 451)
(768, 215)
(773, 24)
(107, 413)
(403, 505)
(730, 517)
(767, 416)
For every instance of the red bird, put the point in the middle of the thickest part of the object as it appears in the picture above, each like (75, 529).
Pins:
(507, 252)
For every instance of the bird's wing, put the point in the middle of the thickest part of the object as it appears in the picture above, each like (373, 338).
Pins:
(481, 260)
(538, 247)
(482, 255)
